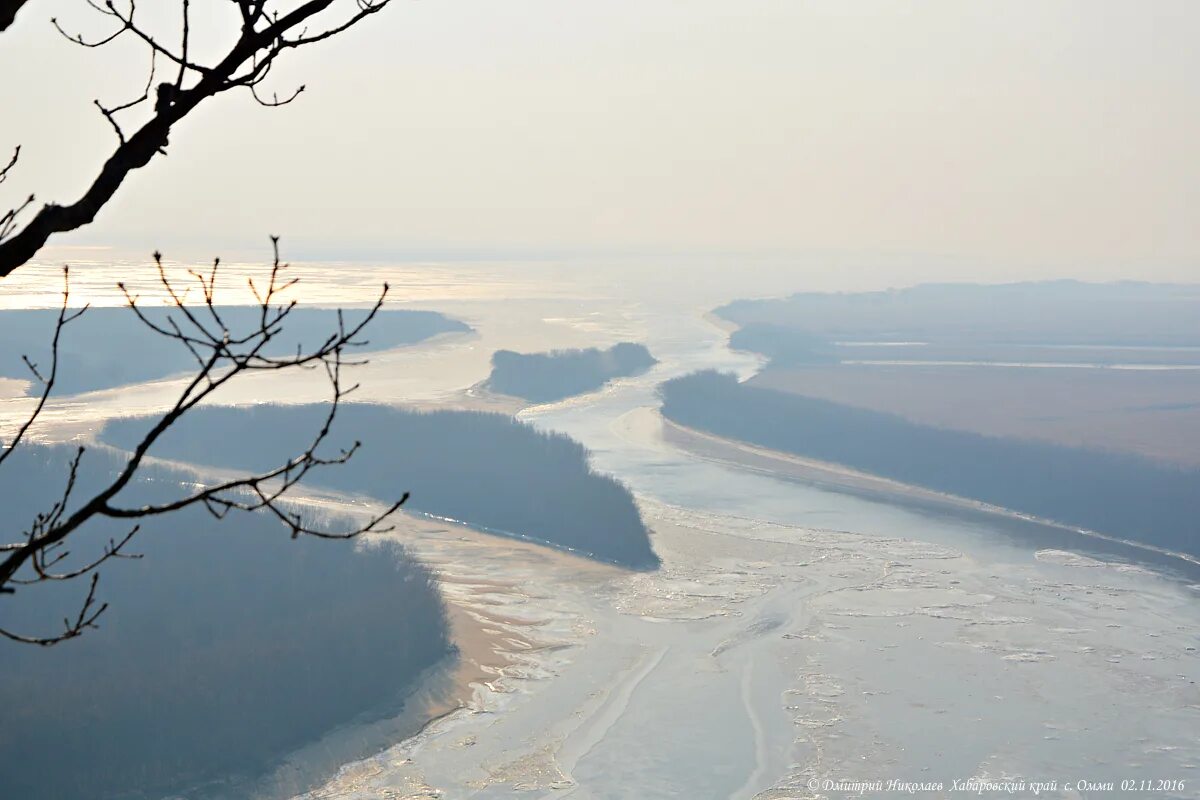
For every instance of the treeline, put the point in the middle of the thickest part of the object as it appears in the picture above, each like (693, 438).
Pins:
(545, 377)
(784, 346)
(487, 470)
(1037, 313)
(109, 347)
(1112, 493)
(226, 647)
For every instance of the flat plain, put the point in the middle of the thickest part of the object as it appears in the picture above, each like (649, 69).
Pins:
(1153, 413)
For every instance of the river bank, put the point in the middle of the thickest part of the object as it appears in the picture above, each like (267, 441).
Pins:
(835, 477)
(503, 633)
(762, 656)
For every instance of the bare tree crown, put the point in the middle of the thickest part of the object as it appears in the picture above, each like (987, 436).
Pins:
(266, 30)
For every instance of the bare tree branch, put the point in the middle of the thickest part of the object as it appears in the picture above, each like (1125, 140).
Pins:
(221, 355)
(88, 614)
(8, 220)
(110, 114)
(8, 12)
(65, 317)
(11, 163)
(264, 34)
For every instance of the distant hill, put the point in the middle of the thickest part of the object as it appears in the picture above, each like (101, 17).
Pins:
(487, 470)
(225, 648)
(1121, 495)
(545, 377)
(109, 347)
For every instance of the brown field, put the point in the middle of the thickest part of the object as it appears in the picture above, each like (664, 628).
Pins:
(1151, 413)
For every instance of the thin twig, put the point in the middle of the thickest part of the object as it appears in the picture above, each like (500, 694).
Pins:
(221, 356)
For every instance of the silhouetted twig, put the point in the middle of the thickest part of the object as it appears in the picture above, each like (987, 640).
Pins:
(265, 33)
(221, 354)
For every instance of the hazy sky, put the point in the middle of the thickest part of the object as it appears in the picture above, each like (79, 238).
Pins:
(1008, 137)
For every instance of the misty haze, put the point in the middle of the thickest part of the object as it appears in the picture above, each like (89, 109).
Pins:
(763, 401)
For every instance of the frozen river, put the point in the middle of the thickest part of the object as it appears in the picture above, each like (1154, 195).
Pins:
(795, 638)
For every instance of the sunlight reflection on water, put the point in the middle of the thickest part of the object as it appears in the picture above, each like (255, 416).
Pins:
(326, 283)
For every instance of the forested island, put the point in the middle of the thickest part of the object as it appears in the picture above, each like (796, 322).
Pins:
(94, 351)
(225, 647)
(546, 377)
(1113, 493)
(487, 470)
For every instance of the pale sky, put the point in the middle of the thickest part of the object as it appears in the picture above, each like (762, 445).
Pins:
(1013, 138)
